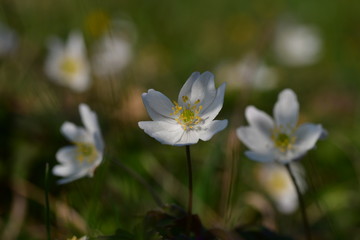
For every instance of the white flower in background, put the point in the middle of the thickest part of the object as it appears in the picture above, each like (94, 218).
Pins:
(75, 238)
(190, 118)
(280, 139)
(277, 182)
(8, 40)
(249, 73)
(82, 158)
(112, 54)
(67, 65)
(297, 45)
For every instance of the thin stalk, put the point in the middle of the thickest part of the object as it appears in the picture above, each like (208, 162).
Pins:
(47, 204)
(301, 202)
(190, 181)
(141, 180)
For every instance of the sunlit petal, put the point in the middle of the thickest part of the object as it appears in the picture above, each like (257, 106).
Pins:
(212, 128)
(158, 106)
(164, 132)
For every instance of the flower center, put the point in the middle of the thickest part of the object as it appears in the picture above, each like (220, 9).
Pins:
(278, 181)
(283, 141)
(69, 66)
(85, 151)
(187, 116)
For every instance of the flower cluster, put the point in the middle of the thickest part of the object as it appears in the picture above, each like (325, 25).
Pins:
(68, 64)
(275, 141)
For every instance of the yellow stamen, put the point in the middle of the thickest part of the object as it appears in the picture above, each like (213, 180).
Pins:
(283, 141)
(85, 151)
(187, 116)
(278, 181)
(69, 66)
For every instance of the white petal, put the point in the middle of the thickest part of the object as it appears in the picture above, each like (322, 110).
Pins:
(75, 44)
(164, 132)
(66, 154)
(203, 89)
(260, 157)
(74, 133)
(287, 203)
(89, 118)
(79, 82)
(99, 142)
(212, 128)
(186, 89)
(158, 106)
(188, 138)
(64, 170)
(260, 121)
(306, 136)
(254, 140)
(73, 177)
(212, 110)
(286, 109)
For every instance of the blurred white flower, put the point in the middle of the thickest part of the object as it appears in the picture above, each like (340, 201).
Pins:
(279, 139)
(86, 154)
(297, 45)
(8, 40)
(249, 73)
(277, 182)
(67, 65)
(190, 118)
(112, 54)
(75, 238)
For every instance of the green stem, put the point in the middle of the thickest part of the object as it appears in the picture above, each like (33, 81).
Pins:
(188, 157)
(47, 204)
(301, 202)
(190, 181)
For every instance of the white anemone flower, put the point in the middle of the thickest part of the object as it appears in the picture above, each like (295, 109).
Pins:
(82, 158)
(277, 182)
(67, 65)
(279, 139)
(112, 54)
(249, 73)
(190, 118)
(297, 45)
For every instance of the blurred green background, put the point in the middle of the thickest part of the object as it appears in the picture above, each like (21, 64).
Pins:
(169, 41)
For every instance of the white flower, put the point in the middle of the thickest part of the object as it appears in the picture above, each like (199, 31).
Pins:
(249, 73)
(297, 45)
(68, 65)
(86, 154)
(278, 184)
(75, 238)
(190, 118)
(112, 54)
(279, 139)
